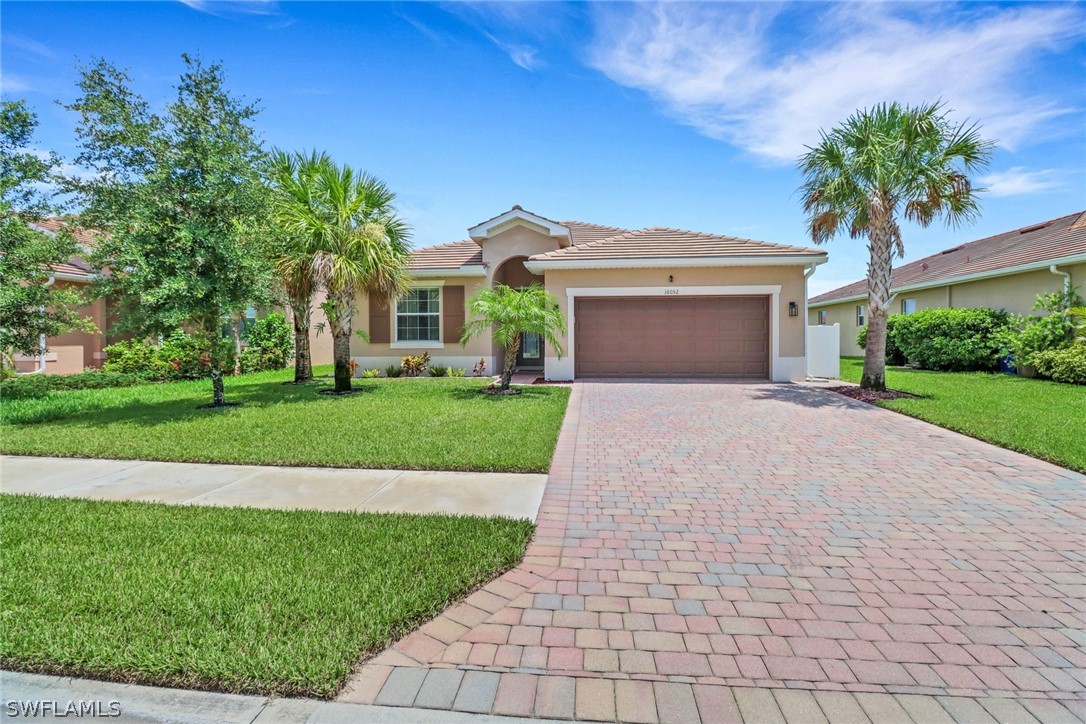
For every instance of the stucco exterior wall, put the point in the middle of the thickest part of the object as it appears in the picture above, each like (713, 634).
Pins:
(1014, 293)
(790, 330)
(74, 352)
(517, 241)
(379, 356)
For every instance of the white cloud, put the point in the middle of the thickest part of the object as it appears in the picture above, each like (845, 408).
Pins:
(525, 56)
(31, 46)
(743, 74)
(1017, 181)
(224, 8)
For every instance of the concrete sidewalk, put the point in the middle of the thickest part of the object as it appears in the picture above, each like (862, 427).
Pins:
(154, 704)
(336, 489)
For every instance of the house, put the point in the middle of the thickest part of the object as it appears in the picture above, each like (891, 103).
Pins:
(74, 352)
(654, 302)
(1006, 271)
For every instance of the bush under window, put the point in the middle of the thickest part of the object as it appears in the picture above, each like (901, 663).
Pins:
(952, 339)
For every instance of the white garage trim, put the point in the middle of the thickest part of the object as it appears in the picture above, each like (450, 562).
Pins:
(779, 370)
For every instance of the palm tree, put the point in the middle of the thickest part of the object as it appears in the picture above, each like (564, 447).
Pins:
(293, 178)
(510, 313)
(353, 240)
(882, 163)
(1077, 315)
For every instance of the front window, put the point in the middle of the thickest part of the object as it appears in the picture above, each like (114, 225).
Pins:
(908, 306)
(418, 315)
(860, 321)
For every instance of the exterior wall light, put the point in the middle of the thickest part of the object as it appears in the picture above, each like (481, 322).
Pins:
(793, 309)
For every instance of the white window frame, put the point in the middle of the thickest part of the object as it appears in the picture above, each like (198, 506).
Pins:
(904, 305)
(861, 315)
(419, 344)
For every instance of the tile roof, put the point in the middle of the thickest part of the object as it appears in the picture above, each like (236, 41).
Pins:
(1033, 244)
(447, 256)
(54, 224)
(659, 242)
(582, 232)
(595, 241)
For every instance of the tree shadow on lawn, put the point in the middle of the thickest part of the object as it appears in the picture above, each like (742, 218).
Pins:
(189, 405)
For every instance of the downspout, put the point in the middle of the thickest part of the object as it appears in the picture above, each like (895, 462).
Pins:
(1066, 278)
(806, 317)
(42, 347)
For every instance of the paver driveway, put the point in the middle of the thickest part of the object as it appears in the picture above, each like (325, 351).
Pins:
(769, 552)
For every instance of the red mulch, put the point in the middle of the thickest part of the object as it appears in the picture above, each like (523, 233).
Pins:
(870, 396)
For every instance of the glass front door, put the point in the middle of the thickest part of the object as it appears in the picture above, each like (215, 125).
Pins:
(531, 350)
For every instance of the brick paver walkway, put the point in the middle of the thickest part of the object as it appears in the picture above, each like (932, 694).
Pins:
(730, 552)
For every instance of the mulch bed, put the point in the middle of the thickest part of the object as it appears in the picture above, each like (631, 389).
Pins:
(869, 396)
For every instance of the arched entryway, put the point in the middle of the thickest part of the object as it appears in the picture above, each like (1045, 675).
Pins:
(513, 273)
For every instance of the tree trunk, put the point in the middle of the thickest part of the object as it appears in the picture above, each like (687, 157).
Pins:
(303, 361)
(510, 363)
(218, 394)
(341, 349)
(235, 330)
(881, 235)
(340, 322)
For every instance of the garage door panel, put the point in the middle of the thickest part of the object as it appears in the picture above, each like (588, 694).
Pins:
(672, 337)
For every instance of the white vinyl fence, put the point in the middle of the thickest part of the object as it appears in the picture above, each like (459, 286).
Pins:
(824, 351)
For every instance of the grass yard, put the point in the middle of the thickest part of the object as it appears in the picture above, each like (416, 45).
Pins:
(1037, 417)
(435, 424)
(230, 599)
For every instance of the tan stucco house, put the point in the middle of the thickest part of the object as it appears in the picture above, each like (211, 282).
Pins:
(1006, 271)
(652, 302)
(78, 351)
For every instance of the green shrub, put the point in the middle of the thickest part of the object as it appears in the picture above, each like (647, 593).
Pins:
(457, 372)
(180, 356)
(38, 385)
(893, 354)
(393, 371)
(271, 344)
(1062, 365)
(439, 370)
(370, 374)
(953, 339)
(135, 356)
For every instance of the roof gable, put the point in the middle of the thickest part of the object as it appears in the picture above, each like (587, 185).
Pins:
(517, 216)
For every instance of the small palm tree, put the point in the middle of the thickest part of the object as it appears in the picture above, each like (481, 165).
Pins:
(1077, 315)
(354, 242)
(508, 314)
(881, 164)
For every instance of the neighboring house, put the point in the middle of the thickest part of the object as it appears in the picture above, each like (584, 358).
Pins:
(1006, 271)
(75, 352)
(654, 302)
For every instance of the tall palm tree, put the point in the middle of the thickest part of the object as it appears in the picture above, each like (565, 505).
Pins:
(292, 177)
(355, 241)
(883, 163)
(508, 314)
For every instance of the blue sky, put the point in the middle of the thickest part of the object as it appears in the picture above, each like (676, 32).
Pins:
(674, 114)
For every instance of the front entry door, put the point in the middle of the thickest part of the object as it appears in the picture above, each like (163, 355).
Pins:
(531, 351)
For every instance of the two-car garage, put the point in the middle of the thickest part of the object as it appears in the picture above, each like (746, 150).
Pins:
(672, 336)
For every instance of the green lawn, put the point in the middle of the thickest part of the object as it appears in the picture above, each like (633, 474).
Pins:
(230, 599)
(1037, 417)
(438, 424)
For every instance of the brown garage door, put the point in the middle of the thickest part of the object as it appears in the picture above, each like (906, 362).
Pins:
(672, 337)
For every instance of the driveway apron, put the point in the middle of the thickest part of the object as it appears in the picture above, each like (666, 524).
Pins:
(761, 552)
